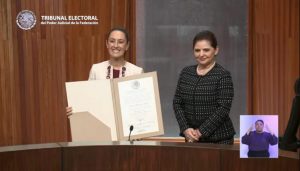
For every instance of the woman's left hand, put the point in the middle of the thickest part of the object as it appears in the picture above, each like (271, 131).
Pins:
(198, 133)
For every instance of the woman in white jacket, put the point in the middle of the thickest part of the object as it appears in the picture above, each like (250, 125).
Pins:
(117, 44)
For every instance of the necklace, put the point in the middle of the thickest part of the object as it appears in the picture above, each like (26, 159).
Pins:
(109, 72)
(202, 72)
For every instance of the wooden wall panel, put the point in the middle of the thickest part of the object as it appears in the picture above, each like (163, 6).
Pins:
(35, 64)
(126, 9)
(273, 57)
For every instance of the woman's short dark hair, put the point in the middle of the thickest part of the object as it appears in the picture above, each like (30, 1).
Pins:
(206, 35)
(121, 30)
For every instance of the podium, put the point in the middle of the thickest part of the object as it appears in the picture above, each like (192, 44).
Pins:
(86, 127)
(139, 155)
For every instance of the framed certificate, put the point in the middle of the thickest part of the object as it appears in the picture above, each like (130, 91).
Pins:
(138, 106)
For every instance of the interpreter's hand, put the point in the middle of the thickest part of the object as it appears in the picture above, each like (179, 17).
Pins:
(250, 129)
(69, 111)
(191, 135)
(269, 130)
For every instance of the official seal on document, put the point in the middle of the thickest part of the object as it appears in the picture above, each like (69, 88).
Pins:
(135, 84)
(26, 20)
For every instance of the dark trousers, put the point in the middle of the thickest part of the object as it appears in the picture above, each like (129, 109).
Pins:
(264, 153)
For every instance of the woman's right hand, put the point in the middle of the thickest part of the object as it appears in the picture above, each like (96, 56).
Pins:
(191, 135)
(69, 111)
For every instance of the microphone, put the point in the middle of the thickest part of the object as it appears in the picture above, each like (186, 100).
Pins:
(130, 130)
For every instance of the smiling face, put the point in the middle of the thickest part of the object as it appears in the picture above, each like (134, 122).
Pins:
(117, 44)
(205, 53)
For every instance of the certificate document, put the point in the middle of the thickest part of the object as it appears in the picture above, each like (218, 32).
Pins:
(138, 106)
(120, 103)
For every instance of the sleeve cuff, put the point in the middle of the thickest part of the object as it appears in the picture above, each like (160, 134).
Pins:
(204, 132)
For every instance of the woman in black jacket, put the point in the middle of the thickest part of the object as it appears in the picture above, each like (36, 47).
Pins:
(204, 95)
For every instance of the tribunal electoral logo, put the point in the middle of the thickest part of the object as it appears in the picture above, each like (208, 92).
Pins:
(26, 20)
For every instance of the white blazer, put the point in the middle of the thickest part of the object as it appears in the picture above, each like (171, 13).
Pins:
(99, 70)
